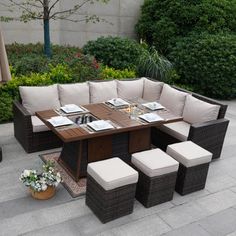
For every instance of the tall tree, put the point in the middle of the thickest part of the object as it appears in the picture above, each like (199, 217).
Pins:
(46, 10)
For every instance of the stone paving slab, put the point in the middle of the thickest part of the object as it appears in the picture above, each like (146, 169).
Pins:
(189, 230)
(221, 223)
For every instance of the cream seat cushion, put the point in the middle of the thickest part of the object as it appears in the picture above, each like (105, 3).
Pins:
(189, 154)
(77, 94)
(39, 98)
(102, 91)
(112, 173)
(154, 162)
(152, 90)
(178, 130)
(130, 89)
(38, 125)
(197, 111)
(173, 99)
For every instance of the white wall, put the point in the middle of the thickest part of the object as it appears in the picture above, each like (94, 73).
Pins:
(122, 14)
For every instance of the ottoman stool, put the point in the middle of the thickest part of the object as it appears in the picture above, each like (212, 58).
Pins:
(194, 163)
(157, 176)
(111, 186)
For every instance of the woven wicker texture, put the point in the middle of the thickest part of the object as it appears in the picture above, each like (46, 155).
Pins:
(155, 190)
(23, 130)
(112, 204)
(191, 179)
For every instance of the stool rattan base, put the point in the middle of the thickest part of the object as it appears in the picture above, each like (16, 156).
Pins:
(155, 190)
(191, 179)
(108, 205)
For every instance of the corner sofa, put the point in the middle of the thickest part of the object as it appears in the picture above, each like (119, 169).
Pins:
(203, 118)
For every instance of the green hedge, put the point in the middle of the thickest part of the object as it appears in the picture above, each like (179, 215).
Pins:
(207, 63)
(116, 52)
(110, 73)
(163, 21)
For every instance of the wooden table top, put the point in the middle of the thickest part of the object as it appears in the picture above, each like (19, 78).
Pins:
(119, 119)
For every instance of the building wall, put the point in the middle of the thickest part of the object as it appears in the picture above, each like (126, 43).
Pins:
(120, 18)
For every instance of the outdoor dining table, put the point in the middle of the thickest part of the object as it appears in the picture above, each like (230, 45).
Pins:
(82, 145)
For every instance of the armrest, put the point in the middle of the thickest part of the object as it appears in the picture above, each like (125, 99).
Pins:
(209, 135)
(22, 120)
(21, 108)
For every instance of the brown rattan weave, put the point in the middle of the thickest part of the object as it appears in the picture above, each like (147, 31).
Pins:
(155, 190)
(191, 179)
(208, 135)
(23, 130)
(111, 204)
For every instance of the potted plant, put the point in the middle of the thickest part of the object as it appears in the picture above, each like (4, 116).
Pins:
(42, 185)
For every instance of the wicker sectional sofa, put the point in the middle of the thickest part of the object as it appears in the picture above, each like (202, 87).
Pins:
(203, 118)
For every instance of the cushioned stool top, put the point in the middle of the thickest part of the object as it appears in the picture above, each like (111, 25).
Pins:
(154, 162)
(112, 173)
(189, 154)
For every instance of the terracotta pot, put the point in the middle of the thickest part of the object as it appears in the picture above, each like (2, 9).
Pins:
(44, 195)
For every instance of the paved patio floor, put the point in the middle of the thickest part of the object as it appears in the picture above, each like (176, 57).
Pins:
(208, 212)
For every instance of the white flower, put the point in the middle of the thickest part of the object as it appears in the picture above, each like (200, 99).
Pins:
(26, 173)
(58, 178)
(44, 187)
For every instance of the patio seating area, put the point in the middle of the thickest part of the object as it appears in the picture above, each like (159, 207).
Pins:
(211, 211)
(117, 118)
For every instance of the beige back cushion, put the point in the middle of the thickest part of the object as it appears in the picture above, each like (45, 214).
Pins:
(102, 91)
(173, 99)
(152, 90)
(77, 94)
(130, 89)
(197, 111)
(39, 98)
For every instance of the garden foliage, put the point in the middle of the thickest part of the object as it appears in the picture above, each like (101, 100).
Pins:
(151, 64)
(207, 63)
(198, 37)
(116, 52)
(162, 22)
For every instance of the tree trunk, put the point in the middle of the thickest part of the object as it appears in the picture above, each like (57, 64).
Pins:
(47, 45)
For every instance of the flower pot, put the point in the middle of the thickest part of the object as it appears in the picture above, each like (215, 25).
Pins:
(44, 195)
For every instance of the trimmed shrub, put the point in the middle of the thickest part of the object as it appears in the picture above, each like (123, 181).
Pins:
(116, 52)
(31, 63)
(29, 58)
(110, 73)
(163, 21)
(207, 63)
(83, 67)
(5, 107)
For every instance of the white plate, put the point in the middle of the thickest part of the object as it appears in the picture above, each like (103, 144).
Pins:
(117, 102)
(60, 121)
(71, 108)
(153, 106)
(150, 117)
(100, 125)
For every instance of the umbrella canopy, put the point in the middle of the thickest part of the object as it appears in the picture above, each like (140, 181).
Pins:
(5, 74)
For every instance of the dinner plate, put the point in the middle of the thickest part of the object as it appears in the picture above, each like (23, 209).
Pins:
(100, 125)
(71, 108)
(151, 117)
(60, 121)
(117, 102)
(153, 106)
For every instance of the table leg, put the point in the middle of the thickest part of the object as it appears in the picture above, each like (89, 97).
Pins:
(74, 158)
